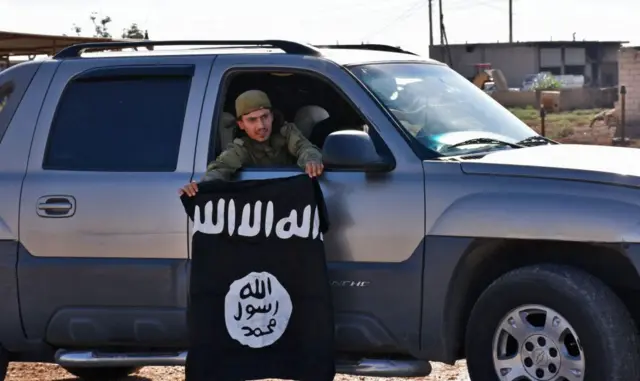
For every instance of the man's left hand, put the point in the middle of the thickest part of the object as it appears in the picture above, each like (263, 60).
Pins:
(314, 169)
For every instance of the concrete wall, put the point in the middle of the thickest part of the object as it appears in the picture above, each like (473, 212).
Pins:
(629, 76)
(514, 61)
(516, 99)
(587, 97)
(570, 99)
(599, 61)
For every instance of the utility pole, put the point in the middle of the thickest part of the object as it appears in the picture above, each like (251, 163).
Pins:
(510, 20)
(441, 17)
(430, 23)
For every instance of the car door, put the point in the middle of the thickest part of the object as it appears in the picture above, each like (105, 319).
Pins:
(374, 247)
(104, 236)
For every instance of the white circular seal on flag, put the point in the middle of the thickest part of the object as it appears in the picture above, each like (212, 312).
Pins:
(257, 309)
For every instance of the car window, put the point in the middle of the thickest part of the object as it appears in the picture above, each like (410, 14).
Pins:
(4, 96)
(7, 92)
(439, 107)
(128, 124)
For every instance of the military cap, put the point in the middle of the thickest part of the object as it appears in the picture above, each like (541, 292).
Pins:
(250, 101)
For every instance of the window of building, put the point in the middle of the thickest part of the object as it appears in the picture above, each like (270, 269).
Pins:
(130, 124)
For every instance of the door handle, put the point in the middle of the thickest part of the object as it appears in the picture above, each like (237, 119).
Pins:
(56, 206)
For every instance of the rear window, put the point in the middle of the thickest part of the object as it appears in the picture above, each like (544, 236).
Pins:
(4, 96)
(119, 124)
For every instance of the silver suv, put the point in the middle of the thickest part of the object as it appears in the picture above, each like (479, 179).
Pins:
(457, 231)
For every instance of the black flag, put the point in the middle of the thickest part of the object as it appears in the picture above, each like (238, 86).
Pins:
(259, 298)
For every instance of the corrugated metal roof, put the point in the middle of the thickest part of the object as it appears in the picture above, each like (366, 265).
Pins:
(24, 44)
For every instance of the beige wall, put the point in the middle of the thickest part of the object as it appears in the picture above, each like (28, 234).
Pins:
(570, 99)
(515, 61)
(518, 61)
(629, 76)
(518, 99)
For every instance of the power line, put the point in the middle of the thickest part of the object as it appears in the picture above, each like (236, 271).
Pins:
(407, 13)
(465, 5)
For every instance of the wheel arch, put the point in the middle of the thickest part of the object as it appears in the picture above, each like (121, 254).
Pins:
(487, 259)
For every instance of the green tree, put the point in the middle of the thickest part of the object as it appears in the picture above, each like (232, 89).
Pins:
(133, 32)
(547, 82)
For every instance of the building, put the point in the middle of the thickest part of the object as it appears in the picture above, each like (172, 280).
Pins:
(596, 60)
(629, 69)
(25, 46)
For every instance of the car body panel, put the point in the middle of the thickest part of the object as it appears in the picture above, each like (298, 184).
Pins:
(125, 257)
(588, 163)
(363, 245)
(508, 207)
(129, 302)
(16, 141)
(11, 331)
(105, 224)
(356, 199)
(93, 301)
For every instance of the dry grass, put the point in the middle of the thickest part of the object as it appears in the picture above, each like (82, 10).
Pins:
(570, 126)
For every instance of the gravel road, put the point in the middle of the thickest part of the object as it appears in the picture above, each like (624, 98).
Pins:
(46, 372)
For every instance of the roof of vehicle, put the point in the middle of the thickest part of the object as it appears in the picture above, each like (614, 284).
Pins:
(340, 54)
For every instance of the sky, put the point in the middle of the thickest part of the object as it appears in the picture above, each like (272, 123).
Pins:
(400, 22)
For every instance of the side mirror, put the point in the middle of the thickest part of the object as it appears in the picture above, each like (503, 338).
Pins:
(352, 149)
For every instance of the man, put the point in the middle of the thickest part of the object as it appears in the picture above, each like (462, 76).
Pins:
(261, 145)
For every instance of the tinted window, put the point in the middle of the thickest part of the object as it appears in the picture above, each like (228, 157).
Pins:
(5, 93)
(119, 124)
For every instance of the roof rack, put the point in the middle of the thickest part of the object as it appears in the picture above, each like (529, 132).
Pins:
(289, 47)
(378, 47)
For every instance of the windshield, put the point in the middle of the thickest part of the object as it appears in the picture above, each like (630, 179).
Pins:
(441, 108)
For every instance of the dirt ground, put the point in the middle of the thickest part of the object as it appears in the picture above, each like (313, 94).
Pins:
(571, 126)
(46, 372)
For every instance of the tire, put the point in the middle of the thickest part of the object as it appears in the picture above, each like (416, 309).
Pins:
(575, 304)
(101, 374)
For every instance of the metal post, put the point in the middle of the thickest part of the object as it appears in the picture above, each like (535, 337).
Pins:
(623, 122)
(510, 21)
(430, 24)
(543, 114)
(441, 18)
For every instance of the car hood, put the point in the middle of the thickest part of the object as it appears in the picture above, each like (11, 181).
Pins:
(607, 164)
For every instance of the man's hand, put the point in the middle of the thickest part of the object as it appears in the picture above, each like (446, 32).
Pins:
(190, 189)
(314, 169)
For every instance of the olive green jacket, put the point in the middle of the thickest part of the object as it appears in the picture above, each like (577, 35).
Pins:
(286, 146)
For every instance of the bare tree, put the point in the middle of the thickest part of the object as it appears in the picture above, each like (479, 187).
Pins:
(101, 25)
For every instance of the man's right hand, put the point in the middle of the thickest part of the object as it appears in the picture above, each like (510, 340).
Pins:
(190, 189)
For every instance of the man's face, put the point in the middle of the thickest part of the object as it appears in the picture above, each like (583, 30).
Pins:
(257, 124)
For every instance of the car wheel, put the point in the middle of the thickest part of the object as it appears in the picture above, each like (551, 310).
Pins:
(101, 374)
(551, 322)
